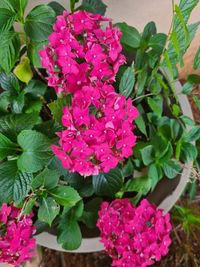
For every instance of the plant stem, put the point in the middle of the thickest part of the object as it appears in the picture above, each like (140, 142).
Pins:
(142, 96)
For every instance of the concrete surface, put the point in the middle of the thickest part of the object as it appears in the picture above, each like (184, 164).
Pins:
(136, 13)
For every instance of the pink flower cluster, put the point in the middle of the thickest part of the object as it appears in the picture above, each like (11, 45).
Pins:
(134, 236)
(16, 242)
(99, 131)
(81, 52)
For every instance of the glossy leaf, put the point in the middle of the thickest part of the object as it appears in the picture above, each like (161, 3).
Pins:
(108, 183)
(127, 82)
(47, 179)
(130, 35)
(7, 18)
(11, 125)
(65, 196)
(48, 210)
(7, 147)
(17, 186)
(94, 6)
(172, 168)
(69, 233)
(58, 8)
(9, 82)
(36, 151)
(196, 64)
(22, 186)
(9, 49)
(36, 88)
(147, 154)
(39, 22)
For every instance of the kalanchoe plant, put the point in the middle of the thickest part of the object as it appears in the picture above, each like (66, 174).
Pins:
(85, 106)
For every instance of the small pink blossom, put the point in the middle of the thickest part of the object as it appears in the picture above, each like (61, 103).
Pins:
(16, 242)
(134, 236)
(82, 52)
(97, 134)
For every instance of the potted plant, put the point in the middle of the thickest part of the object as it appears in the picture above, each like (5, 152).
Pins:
(96, 135)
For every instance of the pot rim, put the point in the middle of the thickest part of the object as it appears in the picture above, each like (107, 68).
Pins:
(89, 245)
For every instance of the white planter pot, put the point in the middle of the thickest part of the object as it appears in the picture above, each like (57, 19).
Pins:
(165, 195)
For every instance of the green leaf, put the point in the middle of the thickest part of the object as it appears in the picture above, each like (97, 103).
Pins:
(7, 147)
(196, 64)
(175, 43)
(184, 33)
(193, 78)
(149, 30)
(127, 82)
(48, 210)
(11, 125)
(9, 82)
(7, 18)
(58, 8)
(8, 4)
(17, 6)
(139, 121)
(130, 35)
(36, 88)
(33, 52)
(56, 107)
(141, 81)
(172, 168)
(154, 174)
(94, 6)
(138, 184)
(90, 213)
(128, 168)
(38, 24)
(29, 206)
(4, 103)
(33, 106)
(108, 183)
(188, 152)
(20, 5)
(9, 49)
(56, 164)
(147, 154)
(14, 185)
(65, 196)
(187, 88)
(153, 104)
(23, 70)
(193, 134)
(69, 233)
(157, 42)
(182, 22)
(47, 179)
(22, 186)
(187, 120)
(82, 185)
(176, 110)
(186, 7)
(197, 101)
(17, 103)
(36, 151)
(72, 5)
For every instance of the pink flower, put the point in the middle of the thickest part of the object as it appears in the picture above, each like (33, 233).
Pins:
(4, 213)
(16, 242)
(82, 52)
(134, 236)
(97, 134)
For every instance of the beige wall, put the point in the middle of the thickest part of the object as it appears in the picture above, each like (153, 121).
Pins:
(136, 12)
